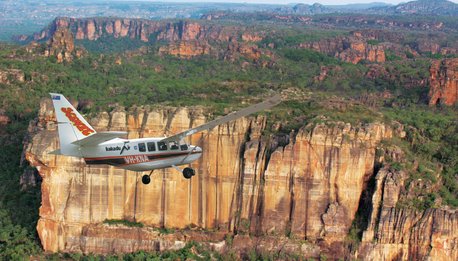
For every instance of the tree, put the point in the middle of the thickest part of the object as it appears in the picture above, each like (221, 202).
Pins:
(15, 242)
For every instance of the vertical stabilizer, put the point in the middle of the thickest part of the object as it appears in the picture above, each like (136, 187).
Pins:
(71, 125)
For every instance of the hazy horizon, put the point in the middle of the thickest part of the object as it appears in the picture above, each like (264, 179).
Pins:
(284, 2)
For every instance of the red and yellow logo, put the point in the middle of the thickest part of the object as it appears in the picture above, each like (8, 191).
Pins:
(83, 128)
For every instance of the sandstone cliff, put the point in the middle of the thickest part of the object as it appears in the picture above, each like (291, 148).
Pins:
(443, 82)
(181, 38)
(372, 45)
(308, 189)
(268, 192)
(403, 234)
(352, 49)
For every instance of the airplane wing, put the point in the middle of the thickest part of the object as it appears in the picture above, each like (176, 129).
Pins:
(99, 137)
(271, 102)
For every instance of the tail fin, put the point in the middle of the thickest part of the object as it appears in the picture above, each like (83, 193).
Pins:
(71, 125)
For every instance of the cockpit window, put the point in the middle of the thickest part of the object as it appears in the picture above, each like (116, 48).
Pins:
(184, 146)
(151, 146)
(173, 145)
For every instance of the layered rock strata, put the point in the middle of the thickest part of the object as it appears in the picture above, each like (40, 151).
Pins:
(350, 49)
(443, 82)
(405, 234)
(246, 184)
(181, 38)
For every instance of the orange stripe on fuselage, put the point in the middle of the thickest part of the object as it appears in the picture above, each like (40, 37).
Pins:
(128, 158)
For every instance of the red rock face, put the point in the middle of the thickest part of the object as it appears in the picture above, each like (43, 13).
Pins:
(350, 49)
(405, 234)
(444, 82)
(309, 189)
(61, 45)
(184, 39)
(357, 46)
(185, 49)
(248, 37)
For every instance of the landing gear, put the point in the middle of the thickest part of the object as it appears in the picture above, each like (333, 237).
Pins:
(188, 173)
(146, 179)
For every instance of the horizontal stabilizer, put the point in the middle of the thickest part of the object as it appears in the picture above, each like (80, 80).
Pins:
(100, 137)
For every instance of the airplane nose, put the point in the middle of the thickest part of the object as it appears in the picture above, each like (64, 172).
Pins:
(198, 149)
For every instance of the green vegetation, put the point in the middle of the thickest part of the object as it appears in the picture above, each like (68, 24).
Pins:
(308, 56)
(16, 243)
(165, 230)
(109, 44)
(123, 222)
(390, 56)
(431, 145)
(292, 36)
(373, 42)
(18, 208)
(192, 251)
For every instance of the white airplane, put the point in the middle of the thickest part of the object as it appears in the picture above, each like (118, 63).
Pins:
(78, 139)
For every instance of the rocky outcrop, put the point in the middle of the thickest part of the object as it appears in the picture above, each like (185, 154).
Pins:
(376, 21)
(61, 45)
(443, 82)
(307, 188)
(351, 49)
(390, 73)
(372, 45)
(8, 76)
(4, 119)
(184, 39)
(405, 234)
(186, 49)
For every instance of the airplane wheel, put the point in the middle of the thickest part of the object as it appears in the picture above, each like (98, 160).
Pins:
(188, 173)
(146, 179)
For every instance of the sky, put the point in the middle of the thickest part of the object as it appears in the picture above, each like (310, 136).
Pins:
(324, 2)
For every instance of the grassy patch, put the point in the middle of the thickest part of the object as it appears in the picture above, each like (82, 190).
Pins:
(122, 222)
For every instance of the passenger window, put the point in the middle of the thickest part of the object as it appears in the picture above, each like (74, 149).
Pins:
(173, 145)
(141, 147)
(151, 146)
(184, 146)
(161, 145)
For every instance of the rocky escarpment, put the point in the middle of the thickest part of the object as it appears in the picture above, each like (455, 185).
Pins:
(443, 82)
(374, 45)
(182, 38)
(353, 49)
(308, 189)
(395, 233)
(61, 45)
(266, 192)
(425, 7)
(377, 21)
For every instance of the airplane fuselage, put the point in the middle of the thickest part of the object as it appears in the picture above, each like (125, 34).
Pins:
(140, 154)
(78, 138)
